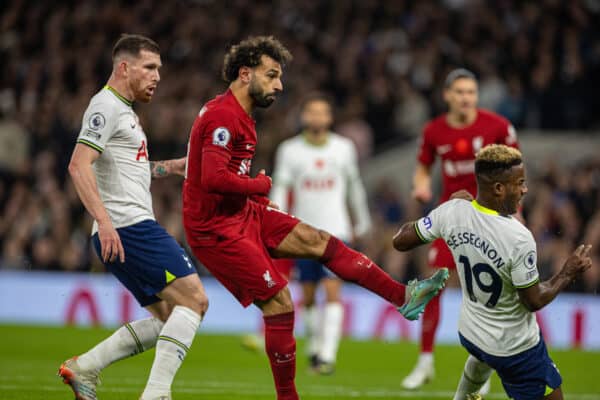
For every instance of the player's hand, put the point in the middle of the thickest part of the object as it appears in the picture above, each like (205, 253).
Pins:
(462, 194)
(578, 262)
(422, 195)
(273, 205)
(265, 182)
(110, 243)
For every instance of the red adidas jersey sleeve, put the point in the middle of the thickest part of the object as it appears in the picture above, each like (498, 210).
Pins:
(217, 146)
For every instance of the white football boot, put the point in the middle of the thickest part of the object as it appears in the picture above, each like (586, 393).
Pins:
(420, 375)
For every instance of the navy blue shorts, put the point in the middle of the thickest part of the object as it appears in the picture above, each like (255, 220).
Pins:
(152, 260)
(312, 271)
(528, 375)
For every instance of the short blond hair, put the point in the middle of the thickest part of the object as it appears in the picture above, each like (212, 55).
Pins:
(495, 159)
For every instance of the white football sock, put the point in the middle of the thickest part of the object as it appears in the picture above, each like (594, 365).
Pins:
(476, 373)
(173, 343)
(130, 339)
(333, 319)
(425, 360)
(311, 330)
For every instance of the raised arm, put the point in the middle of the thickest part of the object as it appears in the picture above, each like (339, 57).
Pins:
(407, 237)
(540, 294)
(163, 168)
(217, 178)
(80, 170)
(415, 233)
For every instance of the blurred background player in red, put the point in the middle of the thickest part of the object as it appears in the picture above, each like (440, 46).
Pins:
(318, 171)
(455, 137)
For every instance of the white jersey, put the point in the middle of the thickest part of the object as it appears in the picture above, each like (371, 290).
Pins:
(495, 255)
(111, 127)
(325, 183)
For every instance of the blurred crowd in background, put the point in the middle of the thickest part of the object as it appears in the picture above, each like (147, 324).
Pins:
(383, 62)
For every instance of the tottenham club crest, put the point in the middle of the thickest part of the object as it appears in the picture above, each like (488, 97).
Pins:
(221, 137)
(530, 260)
(96, 121)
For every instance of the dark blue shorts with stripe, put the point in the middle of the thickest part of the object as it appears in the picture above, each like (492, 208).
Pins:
(153, 259)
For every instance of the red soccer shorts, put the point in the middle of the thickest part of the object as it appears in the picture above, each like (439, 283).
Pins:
(440, 256)
(242, 262)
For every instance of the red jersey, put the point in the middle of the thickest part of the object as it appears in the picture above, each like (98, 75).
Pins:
(457, 148)
(218, 187)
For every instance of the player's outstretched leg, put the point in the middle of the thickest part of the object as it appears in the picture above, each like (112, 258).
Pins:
(82, 372)
(353, 266)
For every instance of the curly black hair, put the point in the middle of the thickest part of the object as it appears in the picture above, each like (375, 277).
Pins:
(248, 52)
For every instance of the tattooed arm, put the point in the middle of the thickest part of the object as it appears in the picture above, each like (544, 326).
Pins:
(160, 169)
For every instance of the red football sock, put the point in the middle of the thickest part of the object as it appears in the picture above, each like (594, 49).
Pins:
(350, 265)
(431, 319)
(281, 350)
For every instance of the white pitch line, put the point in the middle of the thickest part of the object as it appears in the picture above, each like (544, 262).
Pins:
(226, 387)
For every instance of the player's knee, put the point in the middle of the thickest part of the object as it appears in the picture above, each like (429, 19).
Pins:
(308, 302)
(201, 302)
(196, 301)
(285, 300)
(314, 240)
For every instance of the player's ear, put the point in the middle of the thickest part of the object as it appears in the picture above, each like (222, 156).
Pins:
(499, 189)
(446, 95)
(245, 74)
(123, 68)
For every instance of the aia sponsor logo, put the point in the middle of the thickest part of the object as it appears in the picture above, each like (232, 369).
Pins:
(142, 152)
(326, 183)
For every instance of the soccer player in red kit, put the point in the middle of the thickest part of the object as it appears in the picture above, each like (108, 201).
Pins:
(455, 137)
(234, 230)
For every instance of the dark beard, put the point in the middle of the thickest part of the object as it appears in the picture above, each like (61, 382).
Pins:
(259, 97)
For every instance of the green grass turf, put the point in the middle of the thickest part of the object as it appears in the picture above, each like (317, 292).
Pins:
(218, 368)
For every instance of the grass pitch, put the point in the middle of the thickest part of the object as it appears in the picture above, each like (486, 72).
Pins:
(217, 368)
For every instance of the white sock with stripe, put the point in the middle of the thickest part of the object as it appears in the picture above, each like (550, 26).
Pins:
(476, 373)
(172, 346)
(130, 339)
(333, 319)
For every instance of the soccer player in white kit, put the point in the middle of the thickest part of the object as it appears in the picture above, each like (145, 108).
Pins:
(111, 171)
(496, 261)
(319, 169)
